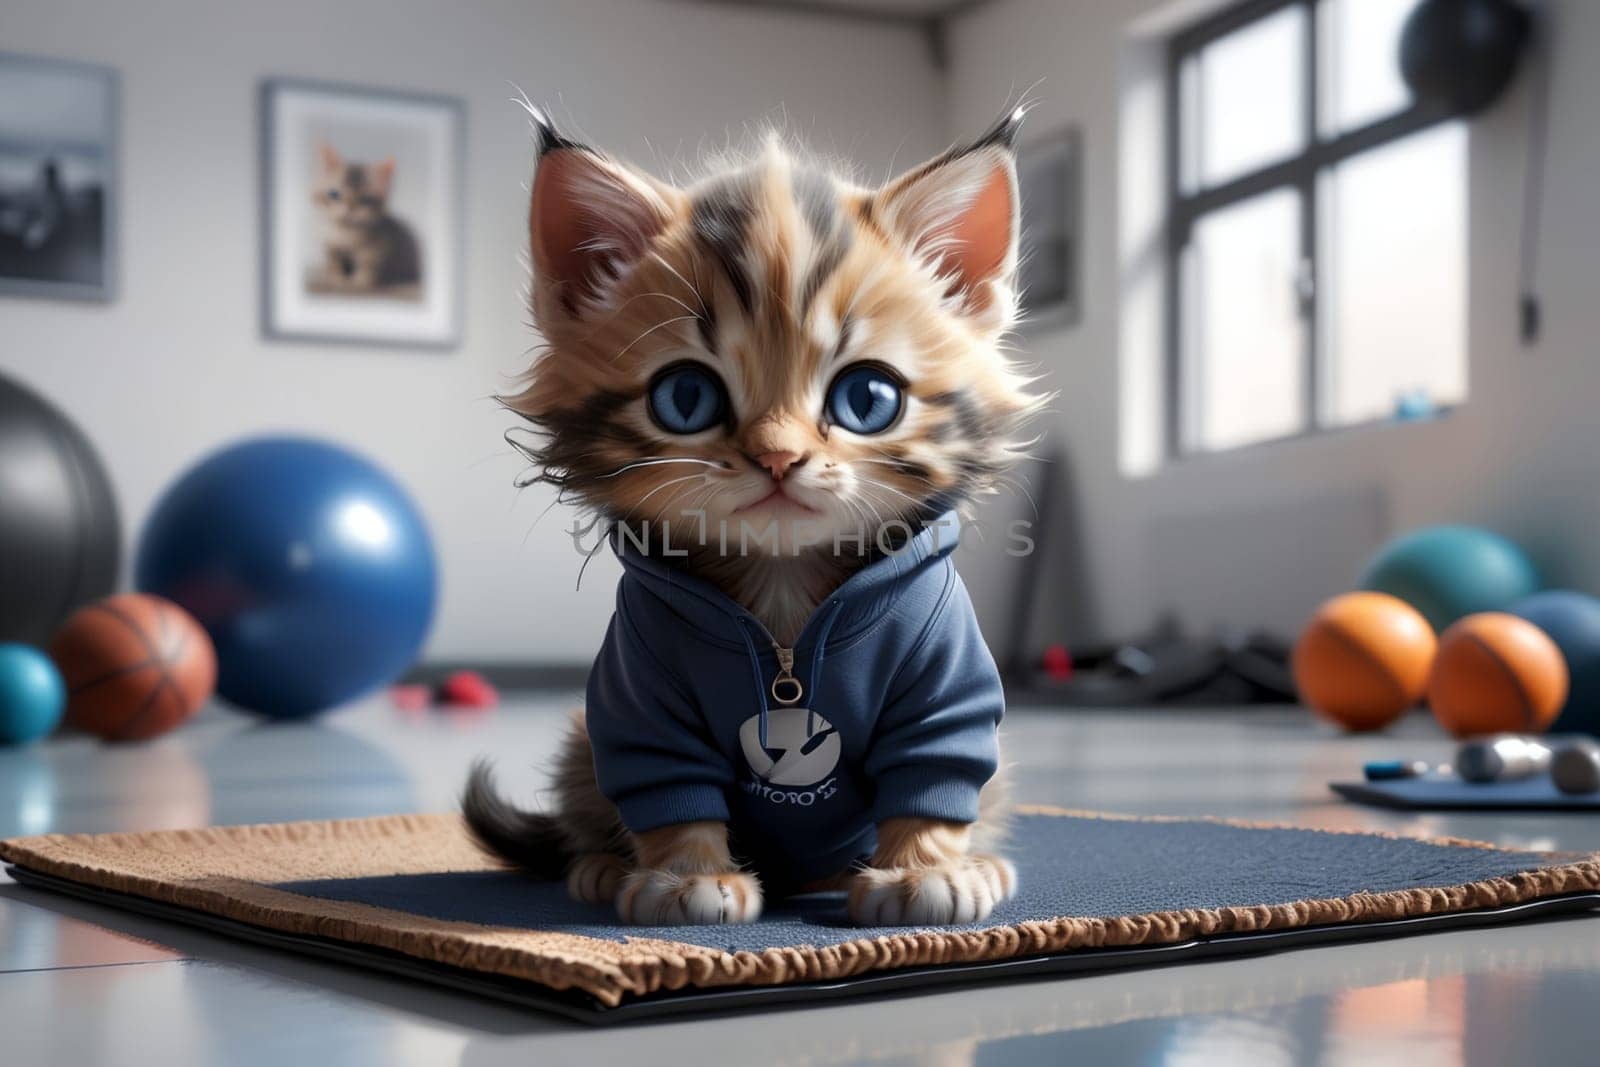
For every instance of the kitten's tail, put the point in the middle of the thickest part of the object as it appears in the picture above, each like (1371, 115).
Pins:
(529, 840)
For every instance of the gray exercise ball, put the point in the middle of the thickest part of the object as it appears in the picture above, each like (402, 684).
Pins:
(59, 536)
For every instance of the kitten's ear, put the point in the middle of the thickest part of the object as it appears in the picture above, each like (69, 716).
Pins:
(329, 156)
(383, 175)
(960, 212)
(590, 219)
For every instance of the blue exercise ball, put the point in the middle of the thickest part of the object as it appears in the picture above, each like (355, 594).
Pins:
(1573, 622)
(1447, 572)
(311, 569)
(32, 695)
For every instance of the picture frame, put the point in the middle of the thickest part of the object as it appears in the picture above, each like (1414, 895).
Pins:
(59, 178)
(362, 214)
(1050, 183)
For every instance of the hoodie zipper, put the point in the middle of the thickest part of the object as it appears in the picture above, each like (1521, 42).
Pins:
(786, 688)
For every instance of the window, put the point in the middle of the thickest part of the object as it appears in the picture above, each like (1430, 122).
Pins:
(1316, 227)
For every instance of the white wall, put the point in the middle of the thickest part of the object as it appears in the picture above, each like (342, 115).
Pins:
(1523, 454)
(176, 365)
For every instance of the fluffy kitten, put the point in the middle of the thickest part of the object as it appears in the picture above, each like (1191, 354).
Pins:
(730, 351)
(365, 247)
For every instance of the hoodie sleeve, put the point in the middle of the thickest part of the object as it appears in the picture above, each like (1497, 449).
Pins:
(936, 743)
(654, 758)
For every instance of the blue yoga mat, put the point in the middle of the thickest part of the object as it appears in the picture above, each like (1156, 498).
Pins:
(1067, 866)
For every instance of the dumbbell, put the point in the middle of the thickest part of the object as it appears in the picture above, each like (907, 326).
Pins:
(1575, 767)
(1501, 758)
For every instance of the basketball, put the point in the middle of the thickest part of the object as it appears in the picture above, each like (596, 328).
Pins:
(135, 666)
(1364, 659)
(1497, 673)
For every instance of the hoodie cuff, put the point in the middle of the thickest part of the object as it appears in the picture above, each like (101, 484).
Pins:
(669, 805)
(926, 793)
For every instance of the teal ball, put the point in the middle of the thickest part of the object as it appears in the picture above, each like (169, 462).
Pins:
(1447, 572)
(1573, 622)
(32, 695)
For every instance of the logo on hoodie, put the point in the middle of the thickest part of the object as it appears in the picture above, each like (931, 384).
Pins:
(802, 747)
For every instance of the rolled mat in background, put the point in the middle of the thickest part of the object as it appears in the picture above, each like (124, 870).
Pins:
(1449, 793)
(411, 894)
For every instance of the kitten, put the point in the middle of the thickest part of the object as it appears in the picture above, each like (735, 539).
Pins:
(775, 349)
(365, 247)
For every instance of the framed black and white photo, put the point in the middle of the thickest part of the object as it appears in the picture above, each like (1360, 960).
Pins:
(1049, 175)
(362, 215)
(58, 178)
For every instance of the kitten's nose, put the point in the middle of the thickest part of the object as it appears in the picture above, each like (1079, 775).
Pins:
(778, 463)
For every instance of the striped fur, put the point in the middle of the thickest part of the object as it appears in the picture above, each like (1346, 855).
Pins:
(776, 274)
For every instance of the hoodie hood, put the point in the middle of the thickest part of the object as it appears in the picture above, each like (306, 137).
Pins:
(859, 600)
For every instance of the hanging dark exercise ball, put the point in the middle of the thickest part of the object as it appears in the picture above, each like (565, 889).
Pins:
(1460, 54)
(59, 540)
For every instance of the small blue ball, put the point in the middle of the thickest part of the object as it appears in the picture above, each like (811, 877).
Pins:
(32, 695)
(1573, 622)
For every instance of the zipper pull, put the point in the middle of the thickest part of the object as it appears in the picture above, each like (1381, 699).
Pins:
(786, 688)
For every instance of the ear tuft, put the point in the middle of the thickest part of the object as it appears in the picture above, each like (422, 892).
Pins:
(1004, 132)
(590, 218)
(546, 138)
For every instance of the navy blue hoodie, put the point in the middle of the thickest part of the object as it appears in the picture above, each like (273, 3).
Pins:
(886, 706)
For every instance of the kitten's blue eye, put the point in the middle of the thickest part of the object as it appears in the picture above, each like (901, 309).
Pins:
(687, 398)
(864, 400)
(333, 194)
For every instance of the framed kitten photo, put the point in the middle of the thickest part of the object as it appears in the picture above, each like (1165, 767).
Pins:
(1049, 177)
(361, 215)
(58, 178)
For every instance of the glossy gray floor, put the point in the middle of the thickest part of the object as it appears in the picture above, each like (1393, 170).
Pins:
(81, 984)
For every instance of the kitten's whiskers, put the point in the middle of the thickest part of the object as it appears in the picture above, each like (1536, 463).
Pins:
(670, 481)
(660, 325)
(864, 480)
(665, 459)
(659, 258)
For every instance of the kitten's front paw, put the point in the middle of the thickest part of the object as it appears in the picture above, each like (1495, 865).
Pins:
(661, 898)
(595, 877)
(963, 891)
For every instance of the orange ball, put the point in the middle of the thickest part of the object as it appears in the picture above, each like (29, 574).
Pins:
(1497, 673)
(1364, 659)
(135, 666)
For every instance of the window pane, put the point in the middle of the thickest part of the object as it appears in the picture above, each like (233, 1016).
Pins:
(1250, 106)
(1189, 125)
(1394, 249)
(1360, 62)
(1245, 351)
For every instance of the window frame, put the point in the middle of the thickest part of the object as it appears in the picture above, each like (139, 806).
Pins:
(1300, 172)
